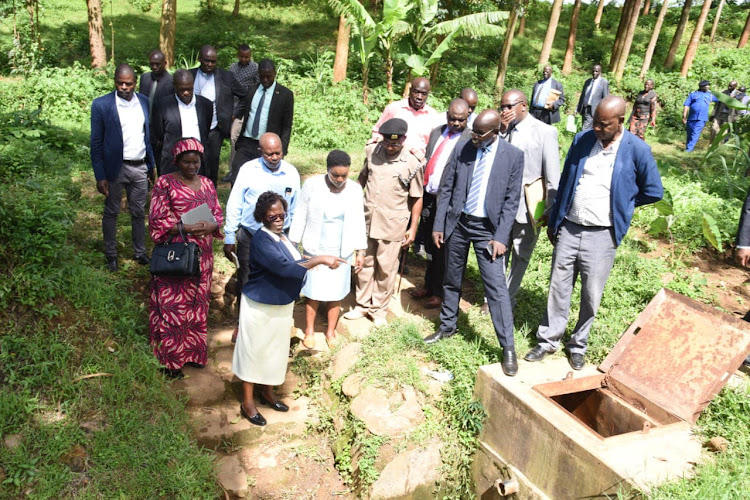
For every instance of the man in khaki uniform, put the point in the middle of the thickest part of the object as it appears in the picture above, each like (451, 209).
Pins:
(392, 178)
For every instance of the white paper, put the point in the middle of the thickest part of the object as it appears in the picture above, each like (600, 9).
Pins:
(200, 213)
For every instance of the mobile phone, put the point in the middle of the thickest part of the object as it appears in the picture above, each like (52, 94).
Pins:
(235, 260)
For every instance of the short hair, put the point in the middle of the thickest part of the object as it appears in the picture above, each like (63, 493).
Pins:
(182, 75)
(265, 201)
(266, 65)
(244, 48)
(338, 158)
(123, 69)
(156, 52)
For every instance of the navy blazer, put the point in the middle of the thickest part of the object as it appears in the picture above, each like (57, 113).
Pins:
(635, 180)
(280, 113)
(503, 189)
(275, 277)
(554, 113)
(106, 137)
(166, 127)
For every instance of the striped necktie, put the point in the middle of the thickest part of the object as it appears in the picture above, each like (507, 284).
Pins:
(472, 200)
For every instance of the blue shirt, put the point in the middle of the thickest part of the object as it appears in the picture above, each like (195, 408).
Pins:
(263, 123)
(699, 102)
(489, 151)
(254, 179)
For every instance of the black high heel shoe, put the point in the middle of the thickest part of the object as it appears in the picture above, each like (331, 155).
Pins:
(256, 419)
(278, 405)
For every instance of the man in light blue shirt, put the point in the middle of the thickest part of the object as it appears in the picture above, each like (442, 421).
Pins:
(267, 173)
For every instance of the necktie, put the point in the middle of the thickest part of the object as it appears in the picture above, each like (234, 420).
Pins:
(430, 168)
(256, 122)
(536, 102)
(151, 95)
(472, 200)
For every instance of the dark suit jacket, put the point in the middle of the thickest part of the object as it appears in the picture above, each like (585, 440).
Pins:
(743, 232)
(635, 180)
(601, 91)
(435, 135)
(280, 114)
(106, 137)
(227, 88)
(275, 277)
(166, 127)
(164, 88)
(504, 185)
(554, 113)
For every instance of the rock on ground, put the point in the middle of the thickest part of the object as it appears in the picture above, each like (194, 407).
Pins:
(386, 415)
(410, 475)
(345, 359)
(231, 476)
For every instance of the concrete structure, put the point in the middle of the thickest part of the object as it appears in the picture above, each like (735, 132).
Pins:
(565, 434)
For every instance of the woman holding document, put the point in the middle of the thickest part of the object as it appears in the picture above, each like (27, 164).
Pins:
(179, 306)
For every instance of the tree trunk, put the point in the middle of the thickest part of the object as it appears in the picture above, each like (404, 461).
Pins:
(695, 39)
(716, 20)
(236, 10)
(669, 61)
(647, 8)
(342, 50)
(599, 10)
(522, 22)
(502, 65)
(625, 52)
(568, 63)
(622, 29)
(745, 33)
(96, 34)
(554, 19)
(168, 29)
(654, 39)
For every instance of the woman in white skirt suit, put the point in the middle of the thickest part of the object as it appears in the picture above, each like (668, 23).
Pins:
(276, 277)
(330, 220)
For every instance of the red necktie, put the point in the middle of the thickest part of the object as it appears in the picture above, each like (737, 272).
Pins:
(430, 168)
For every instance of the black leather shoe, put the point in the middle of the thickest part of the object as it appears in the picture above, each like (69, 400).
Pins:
(278, 405)
(536, 354)
(256, 419)
(576, 361)
(143, 260)
(112, 264)
(195, 365)
(437, 336)
(510, 363)
(173, 374)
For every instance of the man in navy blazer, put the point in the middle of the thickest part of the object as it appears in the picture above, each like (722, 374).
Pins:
(547, 113)
(479, 195)
(608, 172)
(167, 126)
(122, 158)
(220, 87)
(594, 90)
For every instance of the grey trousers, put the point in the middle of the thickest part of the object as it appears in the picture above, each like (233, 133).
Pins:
(587, 118)
(524, 240)
(134, 181)
(244, 239)
(590, 252)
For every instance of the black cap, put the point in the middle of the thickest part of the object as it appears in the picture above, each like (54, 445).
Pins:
(703, 83)
(394, 128)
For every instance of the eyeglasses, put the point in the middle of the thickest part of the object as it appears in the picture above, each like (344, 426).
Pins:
(274, 218)
(508, 106)
(481, 136)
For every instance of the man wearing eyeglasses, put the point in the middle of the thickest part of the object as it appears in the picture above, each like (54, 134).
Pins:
(267, 173)
(479, 195)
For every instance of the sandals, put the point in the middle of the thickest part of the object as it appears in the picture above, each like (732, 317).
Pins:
(309, 340)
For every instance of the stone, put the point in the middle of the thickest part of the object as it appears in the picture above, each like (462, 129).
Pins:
(231, 476)
(345, 359)
(352, 385)
(386, 415)
(12, 441)
(717, 444)
(410, 475)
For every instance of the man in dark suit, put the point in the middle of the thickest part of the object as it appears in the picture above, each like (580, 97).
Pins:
(743, 247)
(595, 89)
(220, 87)
(608, 172)
(548, 113)
(158, 82)
(269, 107)
(443, 140)
(479, 195)
(181, 114)
(122, 158)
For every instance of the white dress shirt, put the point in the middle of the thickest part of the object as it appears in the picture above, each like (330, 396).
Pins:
(489, 152)
(133, 123)
(189, 119)
(433, 184)
(204, 85)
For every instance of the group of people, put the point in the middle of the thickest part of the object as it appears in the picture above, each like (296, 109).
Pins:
(695, 111)
(448, 180)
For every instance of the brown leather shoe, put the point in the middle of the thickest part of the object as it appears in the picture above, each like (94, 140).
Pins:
(433, 302)
(419, 293)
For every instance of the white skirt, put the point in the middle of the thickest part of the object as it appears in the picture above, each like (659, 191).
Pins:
(262, 349)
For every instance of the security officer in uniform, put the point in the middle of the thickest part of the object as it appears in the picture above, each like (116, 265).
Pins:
(695, 112)
(392, 179)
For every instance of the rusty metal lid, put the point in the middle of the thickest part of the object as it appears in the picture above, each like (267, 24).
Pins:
(679, 353)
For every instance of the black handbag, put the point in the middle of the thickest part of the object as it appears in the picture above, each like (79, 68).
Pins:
(176, 259)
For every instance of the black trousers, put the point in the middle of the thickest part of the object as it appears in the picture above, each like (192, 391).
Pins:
(542, 115)
(212, 153)
(471, 230)
(245, 150)
(433, 275)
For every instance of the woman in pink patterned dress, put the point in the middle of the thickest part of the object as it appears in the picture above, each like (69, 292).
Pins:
(179, 306)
